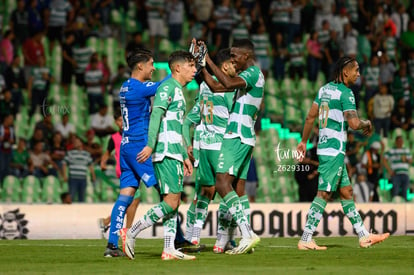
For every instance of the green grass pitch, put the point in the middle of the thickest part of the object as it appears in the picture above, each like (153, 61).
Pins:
(272, 256)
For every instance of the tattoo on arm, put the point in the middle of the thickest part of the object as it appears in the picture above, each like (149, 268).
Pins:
(351, 114)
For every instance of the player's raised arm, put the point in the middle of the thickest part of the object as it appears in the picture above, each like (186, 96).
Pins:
(214, 85)
(228, 83)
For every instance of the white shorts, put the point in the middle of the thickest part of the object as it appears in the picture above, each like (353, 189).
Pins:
(156, 26)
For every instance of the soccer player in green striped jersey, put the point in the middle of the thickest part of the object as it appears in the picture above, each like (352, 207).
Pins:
(335, 109)
(239, 138)
(171, 162)
(397, 162)
(214, 113)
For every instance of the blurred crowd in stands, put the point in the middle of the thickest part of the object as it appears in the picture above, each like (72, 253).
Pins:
(293, 39)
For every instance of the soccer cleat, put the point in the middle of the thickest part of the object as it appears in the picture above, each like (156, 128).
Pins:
(112, 253)
(245, 245)
(128, 243)
(372, 239)
(173, 254)
(310, 246)
(220, 249)
(188, 247)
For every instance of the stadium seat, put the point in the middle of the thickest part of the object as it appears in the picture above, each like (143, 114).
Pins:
(11, 189)
(90, 193)
(31, 190)
(271, 87)
(51, 189)
(293, 114)
(398, 199)
(384, 195)
(287, 86)
(149, 195)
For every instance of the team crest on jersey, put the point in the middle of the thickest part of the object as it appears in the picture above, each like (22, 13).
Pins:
(163, 96)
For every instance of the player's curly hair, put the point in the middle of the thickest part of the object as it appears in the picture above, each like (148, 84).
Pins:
(138, 55)
(339, 68)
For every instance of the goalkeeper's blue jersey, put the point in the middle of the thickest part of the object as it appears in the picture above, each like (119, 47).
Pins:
(135, 99)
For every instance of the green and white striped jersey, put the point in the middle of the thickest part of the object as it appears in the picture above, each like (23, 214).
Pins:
(215, 110)
(371, 76)
(241, 30)
(170, 141)
(194, 117)
(279, 14)
(394, 157)
(39, 83)
(156, 5)
(261, 44)
(244, 113)
(333, 100)
(78, 162)
(296, 51)
(82, 56)
(390, 46)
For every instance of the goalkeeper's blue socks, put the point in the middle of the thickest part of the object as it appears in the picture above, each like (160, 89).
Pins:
(117, 219)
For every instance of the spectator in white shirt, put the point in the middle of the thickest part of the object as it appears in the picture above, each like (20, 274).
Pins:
(65, 127)
(383, 106)
(102, 123)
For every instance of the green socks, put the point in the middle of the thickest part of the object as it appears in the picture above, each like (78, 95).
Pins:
(350, 211)
(314, 216)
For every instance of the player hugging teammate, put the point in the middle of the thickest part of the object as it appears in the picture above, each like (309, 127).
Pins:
(228, 120)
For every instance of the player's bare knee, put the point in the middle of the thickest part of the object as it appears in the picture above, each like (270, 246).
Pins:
(208, 191)
(346, 193)
(323, 195)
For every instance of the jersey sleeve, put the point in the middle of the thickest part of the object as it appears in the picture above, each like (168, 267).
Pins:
(348, 101)
(194, 114)
(193, 118)
(250, 76)
(149, 88)
(163, 97)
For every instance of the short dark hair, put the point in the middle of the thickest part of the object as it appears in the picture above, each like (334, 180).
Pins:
(222, 56)
(179, 56)
(243, 44)
(138, 55)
